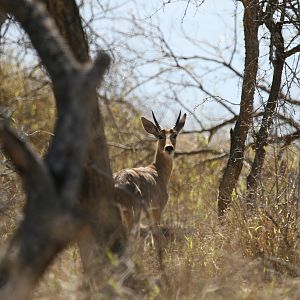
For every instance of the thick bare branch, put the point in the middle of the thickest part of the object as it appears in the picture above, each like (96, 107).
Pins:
(292, 51)
(2, 18)
(105, 231)
(51, 214)
(22, 157)
(39, 237)
(70, 134)
(199, 151)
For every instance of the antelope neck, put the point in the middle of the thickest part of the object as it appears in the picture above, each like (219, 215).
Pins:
(164, 165)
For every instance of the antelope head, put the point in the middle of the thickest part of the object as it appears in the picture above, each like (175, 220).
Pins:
(166, 137)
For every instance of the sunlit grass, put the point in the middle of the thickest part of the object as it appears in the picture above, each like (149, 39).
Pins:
(246, 256)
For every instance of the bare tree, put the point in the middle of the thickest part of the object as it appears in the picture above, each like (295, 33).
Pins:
(278, 55)
(105, 232)
(276, 16)
(173, 75)
(176, 74)
(239, 134)
(53, 185)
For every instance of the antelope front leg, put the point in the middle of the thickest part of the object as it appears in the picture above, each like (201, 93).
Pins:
(158, 237)
(127, 217)
(156, 215)
(131, 219)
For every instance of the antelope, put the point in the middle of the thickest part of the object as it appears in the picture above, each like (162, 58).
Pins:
(145, 189)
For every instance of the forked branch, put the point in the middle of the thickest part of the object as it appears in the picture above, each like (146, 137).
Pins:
(51, 186)
(16, 149)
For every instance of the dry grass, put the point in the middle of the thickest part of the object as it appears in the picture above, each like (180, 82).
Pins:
(249, 256)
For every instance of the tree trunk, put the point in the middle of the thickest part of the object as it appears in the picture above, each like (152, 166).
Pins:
(239, 133)
(52, 214)
(106, 232)
(262, 136)
(2, 18)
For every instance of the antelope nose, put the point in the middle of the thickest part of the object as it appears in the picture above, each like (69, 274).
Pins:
(169, 148)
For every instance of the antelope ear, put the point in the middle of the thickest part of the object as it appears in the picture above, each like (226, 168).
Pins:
(149, 126)
(179, 125)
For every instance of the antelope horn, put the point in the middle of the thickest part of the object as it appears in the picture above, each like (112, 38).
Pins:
(178, 119)
(155, 121)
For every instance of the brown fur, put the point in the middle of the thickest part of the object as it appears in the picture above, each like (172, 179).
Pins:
(146, 188)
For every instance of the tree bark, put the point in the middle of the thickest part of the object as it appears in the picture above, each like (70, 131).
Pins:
(106, 232)
(52, 215)
(261, 138)
(239, 133)
(2, 18)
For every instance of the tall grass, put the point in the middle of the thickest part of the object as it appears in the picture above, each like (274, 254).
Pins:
(249, 255)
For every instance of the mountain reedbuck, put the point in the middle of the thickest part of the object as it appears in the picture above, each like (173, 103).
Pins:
(146, 188)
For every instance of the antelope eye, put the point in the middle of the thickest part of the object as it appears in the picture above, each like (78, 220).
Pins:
(160, 137)
(174, 136)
